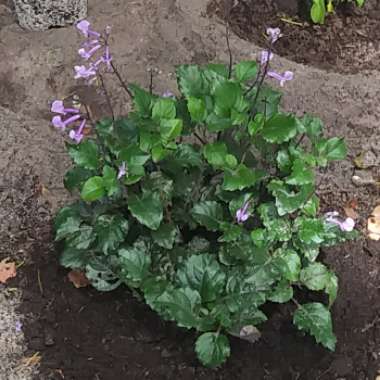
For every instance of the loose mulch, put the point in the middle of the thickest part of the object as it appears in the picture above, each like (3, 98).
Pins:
(348, 42)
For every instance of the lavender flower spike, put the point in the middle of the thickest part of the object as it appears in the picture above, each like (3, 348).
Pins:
(77, 136)
(122, 170)
(168, 94)
(274, 34)
(282, 78)
(265, 57)
(58, 107)
(84, 27)
(62, 124)
(83, 72)
(88, 54)
(107, 58)
(242, 214)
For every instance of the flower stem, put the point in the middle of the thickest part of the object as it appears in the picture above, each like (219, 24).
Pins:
(122, 82)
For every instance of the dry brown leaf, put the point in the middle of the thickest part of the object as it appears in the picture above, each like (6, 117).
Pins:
(350, 208)
(78, 278)
(373, 224)
(32, 360)
(7, 270)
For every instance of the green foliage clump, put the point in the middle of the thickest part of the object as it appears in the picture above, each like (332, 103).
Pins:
(205, 205)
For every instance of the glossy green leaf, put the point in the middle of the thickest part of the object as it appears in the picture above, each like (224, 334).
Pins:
(315, 318)
(164, 109)
(290, 264)
(170, 129)
(190, 80)
(282, 293)
(226, 95)
(208, 214)
(330, 150)
(165, 236)
(197, 109)
(74, 258)
(110, 180)
(318, 11)
(310, 231)
(215, 154)
(204, 274)
(257, 124)
(212, 349)
(301, 174)
(241, 177)
(85, 154)
(76, 177)
(147, 209)
(245, 70)
(315, 276)
(142, 100)
(280, 128)
(93, 189)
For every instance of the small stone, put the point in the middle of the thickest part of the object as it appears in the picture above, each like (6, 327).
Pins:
(39, 15)
(363, 178)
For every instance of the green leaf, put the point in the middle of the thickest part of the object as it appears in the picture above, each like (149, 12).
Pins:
(218, 68)
(101, 276)
(93, 189)
(111, 230)
(164, 109)
(67, 227)
(85, 154)
(204, 274)
(231, 232)
(76, 177)
(332, 287)
(181, 305)
(110, 181)
(310, 231)
(190, 80)
(318, 11)
(83, 238)
(208, 214)
(280, 128)
(288, 201)
(133, 156)
(197, 109)
(74, 258)
(259, 237)
(241, 178)
(311, 207)
(165, 236)
(215, 154)
(246, 70)
(212, 349)
(330, 150)
(312, 126)
(257, 124)
(282, 293)
(302, 174)
(142, 100)
(290, 264)
(315, 318)
(147, 209)
(217, 123)
(226, 95)
(157, 182)
(283, 159)
(315, 276)
(170, 130)
(135, 263)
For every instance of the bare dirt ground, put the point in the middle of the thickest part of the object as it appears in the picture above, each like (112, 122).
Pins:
(36, 68)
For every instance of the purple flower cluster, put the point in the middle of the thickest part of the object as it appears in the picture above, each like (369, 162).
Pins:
(266, 56)
(73, 118)
(346, 225)
(94, 44)
(242, 214)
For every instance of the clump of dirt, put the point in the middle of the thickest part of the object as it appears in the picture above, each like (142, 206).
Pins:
(348, 42)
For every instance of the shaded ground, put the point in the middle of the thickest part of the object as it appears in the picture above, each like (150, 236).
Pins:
(348, 41)
(83, 334)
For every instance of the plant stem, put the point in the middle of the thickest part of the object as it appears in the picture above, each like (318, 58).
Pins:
(107, 96)
(151, 82)
(199, 138)
(229, 49)
(123, 84)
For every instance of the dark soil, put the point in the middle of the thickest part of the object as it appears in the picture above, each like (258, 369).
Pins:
(86, 335)
(348, 42)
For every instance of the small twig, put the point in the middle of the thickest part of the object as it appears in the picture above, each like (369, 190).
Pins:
(40, 282)
(370, 325)
(151, 82)
(229, 49)
(123, 84)
(291, 22)
(108, 99)
(200, 138)
(300, 140)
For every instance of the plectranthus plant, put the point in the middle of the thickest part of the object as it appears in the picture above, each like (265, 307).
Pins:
(202, 201)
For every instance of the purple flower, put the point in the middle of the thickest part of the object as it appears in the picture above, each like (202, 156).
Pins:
(122, 170)
(265, 57)
(168, 94)
(88, 54)
(242, 214)
(346, 225)
(62, 124)
(84, 72)
(58, 107)
(77, 135)
(84, 27)
(18, 326)
(287, 76)
(274, 34)
(107, 57)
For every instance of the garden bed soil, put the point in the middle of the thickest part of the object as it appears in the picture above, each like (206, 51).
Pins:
(348, 42)
(83, 334)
